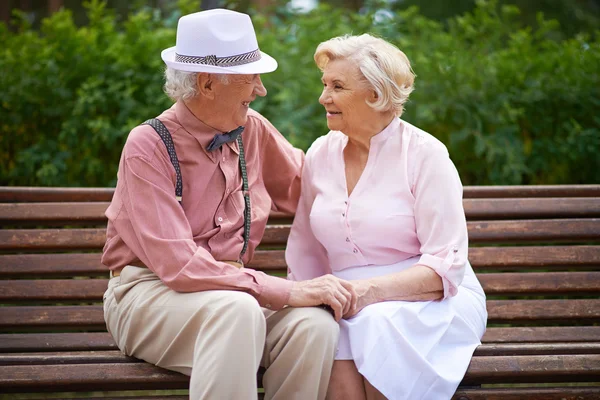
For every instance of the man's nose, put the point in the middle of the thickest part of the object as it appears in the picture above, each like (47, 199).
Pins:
(259, 88)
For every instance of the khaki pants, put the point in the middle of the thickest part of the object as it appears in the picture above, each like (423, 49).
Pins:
(220, 338)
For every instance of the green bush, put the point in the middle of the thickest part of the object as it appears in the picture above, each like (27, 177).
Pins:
(513, 105)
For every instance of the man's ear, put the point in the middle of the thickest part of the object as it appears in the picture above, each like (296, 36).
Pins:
(205, 82)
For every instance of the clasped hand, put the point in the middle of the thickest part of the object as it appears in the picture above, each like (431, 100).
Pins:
(329, 290)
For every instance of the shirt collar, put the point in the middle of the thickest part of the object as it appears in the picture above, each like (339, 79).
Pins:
(388, 131)
(199, 130)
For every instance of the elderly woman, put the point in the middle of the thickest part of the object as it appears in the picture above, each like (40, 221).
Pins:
(381, 206)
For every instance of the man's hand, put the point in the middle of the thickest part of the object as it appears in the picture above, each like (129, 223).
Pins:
(329, 290)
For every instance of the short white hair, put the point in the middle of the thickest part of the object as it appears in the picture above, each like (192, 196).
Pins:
(181, 85)
(385, 67)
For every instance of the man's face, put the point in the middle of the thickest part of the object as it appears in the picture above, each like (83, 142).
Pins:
(232, 99)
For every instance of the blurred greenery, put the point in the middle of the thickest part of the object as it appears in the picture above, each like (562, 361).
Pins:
(515, 102)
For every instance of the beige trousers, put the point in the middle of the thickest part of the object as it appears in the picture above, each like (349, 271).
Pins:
(220, 338)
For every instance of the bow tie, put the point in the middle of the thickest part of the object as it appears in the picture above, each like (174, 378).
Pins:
(222, 138)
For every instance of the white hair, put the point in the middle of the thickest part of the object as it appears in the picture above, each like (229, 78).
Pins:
(385, 67)
(181, 85)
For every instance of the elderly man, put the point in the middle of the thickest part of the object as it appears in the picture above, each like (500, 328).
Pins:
(189, 209)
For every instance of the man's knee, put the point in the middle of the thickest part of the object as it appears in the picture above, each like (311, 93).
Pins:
(241, 309)
(316, 326)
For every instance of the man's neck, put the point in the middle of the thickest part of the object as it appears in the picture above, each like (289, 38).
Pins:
(206, 112)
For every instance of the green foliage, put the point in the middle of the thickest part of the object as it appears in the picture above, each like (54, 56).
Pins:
(513, 104)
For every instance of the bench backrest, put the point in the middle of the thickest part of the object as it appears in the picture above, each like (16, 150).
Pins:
(535, 250)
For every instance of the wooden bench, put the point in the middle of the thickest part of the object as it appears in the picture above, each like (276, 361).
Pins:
(535, 249)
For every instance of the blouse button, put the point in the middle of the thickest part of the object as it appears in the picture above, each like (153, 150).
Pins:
(355, 251)
(220, 219)
(348, 240)
(343, 214)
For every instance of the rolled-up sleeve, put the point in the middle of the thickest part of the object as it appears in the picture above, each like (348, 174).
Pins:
(439, 216)
(305, 255)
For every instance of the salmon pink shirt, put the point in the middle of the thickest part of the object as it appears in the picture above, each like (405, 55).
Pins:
(407, 203)
(185, 245)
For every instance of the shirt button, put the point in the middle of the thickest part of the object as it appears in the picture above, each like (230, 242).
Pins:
(220, 219)
(223, 159)
(355, 251)
(268, 305)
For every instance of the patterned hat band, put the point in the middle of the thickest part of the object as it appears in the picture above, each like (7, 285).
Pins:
(230, 61)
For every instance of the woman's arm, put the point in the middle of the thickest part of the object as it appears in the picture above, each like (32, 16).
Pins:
(417, 283)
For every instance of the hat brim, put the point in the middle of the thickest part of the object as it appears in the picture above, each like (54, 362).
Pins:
(264, 65)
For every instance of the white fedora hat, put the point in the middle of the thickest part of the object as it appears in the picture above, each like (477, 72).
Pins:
(217, 41)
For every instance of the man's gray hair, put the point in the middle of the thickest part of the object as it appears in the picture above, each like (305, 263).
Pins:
(181, 85)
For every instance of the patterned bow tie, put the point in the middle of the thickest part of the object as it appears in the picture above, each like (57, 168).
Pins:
(222, 138)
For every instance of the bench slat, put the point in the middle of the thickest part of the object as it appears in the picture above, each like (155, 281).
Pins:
(499, 311)
(475, 209)
(121, 376)
(115, 356)
(529, 393)
(479, 232)
(61, 194)
(96, 341)
(88, 264)
(548, 283)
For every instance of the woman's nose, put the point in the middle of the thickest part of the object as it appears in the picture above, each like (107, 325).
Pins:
(324, 98)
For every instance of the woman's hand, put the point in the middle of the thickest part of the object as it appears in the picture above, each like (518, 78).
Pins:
(365, 290)
(324, 290)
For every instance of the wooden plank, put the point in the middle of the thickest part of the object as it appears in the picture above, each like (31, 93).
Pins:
(475, 209)
(52, 317)
(72, 377)
(54, 213)
(276, 235)
(62, 194)
(52, 239)
(13, 194)
(534, 230)
(547, 283)
(512, 349)
(143, 376)
(487, 192)
(96, 341)
(500, 311)
(515, 311)
(53, 289)
(529, 393)
(63, 341)
(502, 258)
(574, 207)
(541, 334)
(66, 212)
(70, 357)
(88, 264)
(116, 356)
(534, 257)
(542, 283)
(533, 369)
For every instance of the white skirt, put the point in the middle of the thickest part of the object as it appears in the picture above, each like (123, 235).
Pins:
(414, 349)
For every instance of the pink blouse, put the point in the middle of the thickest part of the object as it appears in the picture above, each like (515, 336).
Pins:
(408, 202)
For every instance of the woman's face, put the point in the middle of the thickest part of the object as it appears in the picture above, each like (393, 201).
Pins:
(345, 95)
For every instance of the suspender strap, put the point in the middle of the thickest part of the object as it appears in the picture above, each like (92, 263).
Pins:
(165, 135)
(247, 207)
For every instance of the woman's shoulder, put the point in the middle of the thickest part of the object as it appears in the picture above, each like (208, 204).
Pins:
(323, 145)
(421, 142)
